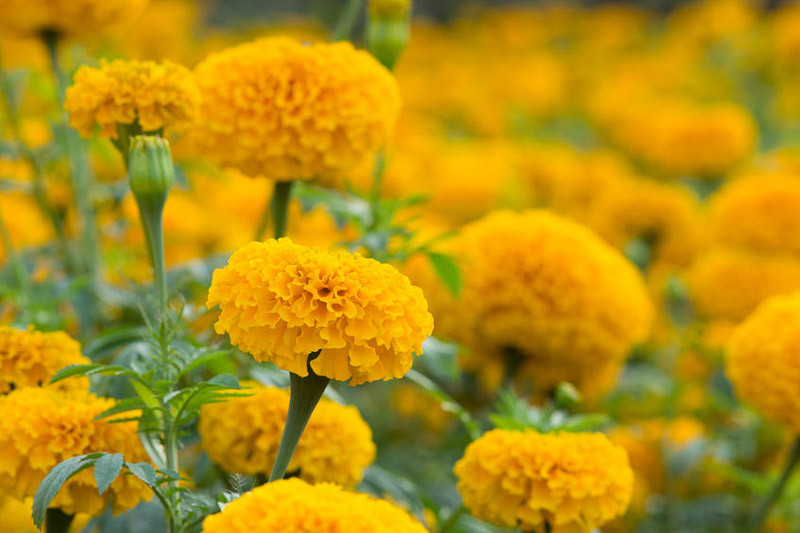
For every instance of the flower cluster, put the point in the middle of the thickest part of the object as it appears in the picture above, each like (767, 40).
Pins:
(284, 110)
(294, 506)
(30, 358)
(565, 482)
(243, 434)
(121, 92)
(41, 427)
(761, 359)
(282, 302)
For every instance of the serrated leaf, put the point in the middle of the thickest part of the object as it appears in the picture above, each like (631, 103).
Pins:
(106, 470)
(55, 479)
(143, 471)
(447, 270)
(122, 406)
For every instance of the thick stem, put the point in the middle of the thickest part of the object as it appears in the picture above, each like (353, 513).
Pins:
(57, 521)
(347, 20)
(151, 215)
(304, 395)
(280, 206)
(263, 222)
(760, 516)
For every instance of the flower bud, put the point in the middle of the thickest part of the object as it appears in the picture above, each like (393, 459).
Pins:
(150, 169)
(567, 396)
(388, 29)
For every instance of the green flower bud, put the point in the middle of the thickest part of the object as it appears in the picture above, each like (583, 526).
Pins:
(150, 169)
(567, 396)
(388, 29)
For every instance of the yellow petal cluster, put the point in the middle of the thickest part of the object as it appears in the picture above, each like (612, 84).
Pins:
(281, 302)
(284, 110)
(69, 17)
(761, 359)
(546, 290)
(30, 358)
(243, 434)
(41, 427)
(760, 213)
(294, 506)
(156, 95)
(563, 483)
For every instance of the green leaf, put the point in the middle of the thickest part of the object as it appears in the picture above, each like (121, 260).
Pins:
(122, 406)
(203, 360)
(143, 471)
(55, 479)
(228, 381)
(106, 470)
(145, 394)
(74, 370)
(447, 270)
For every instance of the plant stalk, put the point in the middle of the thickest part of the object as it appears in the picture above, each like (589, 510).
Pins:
(347, 20)
(760, 516)
(280, 206)
(57, 521)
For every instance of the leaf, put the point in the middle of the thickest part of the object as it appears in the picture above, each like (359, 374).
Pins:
(228, 381)
(145, 394)
(73, 370)
(55, 479)
(143, 471)
(447, 402)
(203, 360)
(447, 270)
(122, 406)
(112, 340)
(106, 470)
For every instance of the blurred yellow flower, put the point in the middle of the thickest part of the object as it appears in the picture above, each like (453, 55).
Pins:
(557, 482)
(153, 95)
(284, 110)
(243, 434)
(42, 427)
(79, 18)
(294, 506)
(282, 302)
(30, 358)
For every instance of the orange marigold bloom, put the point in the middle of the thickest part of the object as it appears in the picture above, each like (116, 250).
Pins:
(30, 358)
(69, 17)
(243, 434)
(281, 302)
(571, 482)
(284, 110)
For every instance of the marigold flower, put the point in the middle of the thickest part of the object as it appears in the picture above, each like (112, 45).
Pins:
(30, 358)
(755, 277)
(283, 110)
(156, 95)
(243, 434)
(761, 359)
(546, 292)
(294, 506)
(41, 427)
(571, 482)
(69, 17)
(281, 302)
(761, 213)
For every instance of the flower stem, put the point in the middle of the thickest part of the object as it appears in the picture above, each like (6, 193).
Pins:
(280, 206)
(347, 19)
(154, 235)
(304, 395)
(452, 519)
(57, 521)
(760, 516)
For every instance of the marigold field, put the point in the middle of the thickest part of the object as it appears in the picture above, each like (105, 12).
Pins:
(363, 266)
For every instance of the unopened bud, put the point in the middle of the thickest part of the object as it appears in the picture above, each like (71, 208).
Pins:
(567, 396)
(150, 169)
(388, 29)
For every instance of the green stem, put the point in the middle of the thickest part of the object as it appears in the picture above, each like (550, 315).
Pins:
(377, 188)
(452, 520)
(151, 216)
(347, 20)
(304, 394)
(57, 521)
(13, 257)
(280, 206)
(760, 516)
(263, 222)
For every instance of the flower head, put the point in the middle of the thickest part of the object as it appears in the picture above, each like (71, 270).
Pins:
(573, 482)
(156, 95)
(41, 427)
(30, 358)
(294, 506)
(284, 110)
(281, 302)
(761, 359)
(547, 292)
(69, 17)
(243, 434)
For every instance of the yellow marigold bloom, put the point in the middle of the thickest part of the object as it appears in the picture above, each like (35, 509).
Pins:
(571, 482)
(69, 17)
(41, 427)
(546, 291)
(26, 224)
(761, 359)
(761, 213)
(30, 358)
(284, 110)
(157, 95)
(754, 277)
(294, 506)
(242, 435)
(280, 302)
